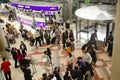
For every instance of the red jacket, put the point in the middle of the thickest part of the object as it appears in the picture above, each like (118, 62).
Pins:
(19, 56)
(5, 66)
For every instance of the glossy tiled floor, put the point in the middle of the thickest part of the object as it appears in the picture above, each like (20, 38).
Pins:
(59, 57)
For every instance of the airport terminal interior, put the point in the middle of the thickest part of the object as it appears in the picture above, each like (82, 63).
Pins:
(59, 39)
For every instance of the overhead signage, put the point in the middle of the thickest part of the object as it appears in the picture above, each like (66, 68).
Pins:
(24, 6)
(49, 13)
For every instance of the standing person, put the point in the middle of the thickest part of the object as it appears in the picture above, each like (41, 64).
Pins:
(10, 17)
(5, 66)
(34, 23)
(71, 36)
(47, 38)
(23, 48)
(61, 20)
(63, 40)
(49, 54)
(66, 34)
(19, 56)
(57, 73)
(14, 55)
(44, 76)
(21, 28)
(37, 38)
(57, 34)
(93, 39)
(68, 46)
(41, 35)
(77, 74)
(110, 44)
(25, 63)
(46, 61)
(81, 64)
(89, 74)
(1, 20)
(70, 61)
(67, 76)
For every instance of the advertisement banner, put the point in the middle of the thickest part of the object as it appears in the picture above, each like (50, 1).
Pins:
(24, 6)
(30, 22)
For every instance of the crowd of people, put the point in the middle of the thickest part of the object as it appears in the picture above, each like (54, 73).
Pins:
(76, 70)
(54, 33)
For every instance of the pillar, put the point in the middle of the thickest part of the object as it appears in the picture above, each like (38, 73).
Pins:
(107, 32)
(115, 72)
(3, 44)
(70, 10)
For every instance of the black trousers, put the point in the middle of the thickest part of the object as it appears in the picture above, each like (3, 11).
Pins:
(64, 45)
(38, 40)
(42, 39)
(27, 74)
(8, 75)
(16, 62)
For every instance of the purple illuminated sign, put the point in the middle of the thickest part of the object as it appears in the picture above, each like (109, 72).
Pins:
(49, 13)
(29, 22)
(47, 8)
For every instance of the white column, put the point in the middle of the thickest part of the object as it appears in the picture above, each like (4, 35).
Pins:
(2, 43)
(115, 72)
(70, 10)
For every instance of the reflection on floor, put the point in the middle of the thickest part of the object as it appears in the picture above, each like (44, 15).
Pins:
(59, 57)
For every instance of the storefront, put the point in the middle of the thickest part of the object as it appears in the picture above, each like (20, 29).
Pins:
(25, 13)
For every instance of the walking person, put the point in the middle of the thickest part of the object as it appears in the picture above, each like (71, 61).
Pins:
(93, 55)
(5, 66)
(93, 39)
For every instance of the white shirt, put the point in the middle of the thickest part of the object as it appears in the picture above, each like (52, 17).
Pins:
(54, 78)
(87, 58)
(37, 34)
